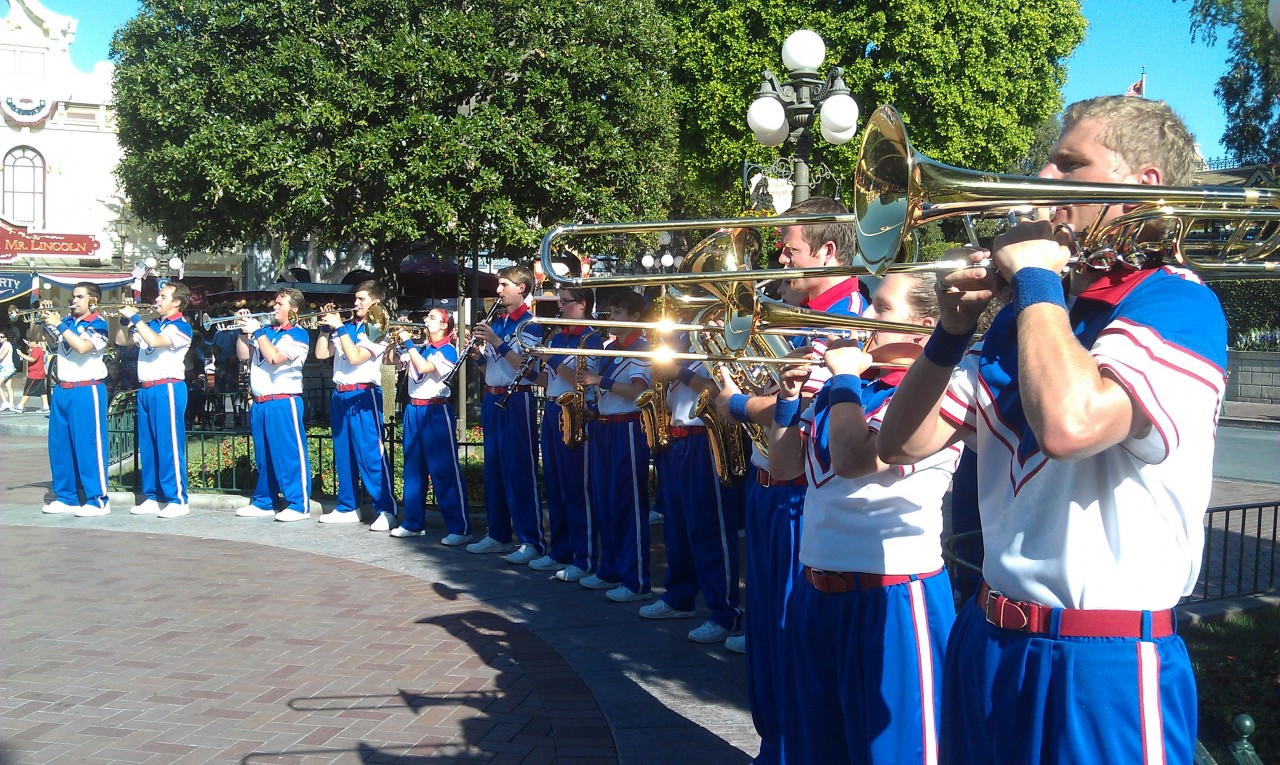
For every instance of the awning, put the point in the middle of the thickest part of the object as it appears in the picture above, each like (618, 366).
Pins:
(107, 280)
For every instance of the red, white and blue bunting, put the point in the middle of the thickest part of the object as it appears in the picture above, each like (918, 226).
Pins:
(26, 112)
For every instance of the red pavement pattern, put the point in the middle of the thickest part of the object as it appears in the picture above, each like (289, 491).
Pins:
(149, 648)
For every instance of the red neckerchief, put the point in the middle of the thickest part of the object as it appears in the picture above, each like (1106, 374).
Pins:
(518, 313)
(1115, 284)
(284, 327)
(443, 342)
(833, 295)
(574, 330)
(88, 317)
(628, 340)
(890, 377)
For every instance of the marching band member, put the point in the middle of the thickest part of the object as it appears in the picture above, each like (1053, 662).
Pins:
(867, 624)
(511, 495)
(276, 418)
(620, 462)
(78, 420)
(430, 434)
(1093, 416)
(774, 506)
(565, 468)
(700, 525)
(355, 411)
(162, 400)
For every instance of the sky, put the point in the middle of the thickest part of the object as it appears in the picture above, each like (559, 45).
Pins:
(1109, 61)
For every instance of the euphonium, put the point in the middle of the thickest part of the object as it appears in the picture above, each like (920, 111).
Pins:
(573, 405)
(655, 417)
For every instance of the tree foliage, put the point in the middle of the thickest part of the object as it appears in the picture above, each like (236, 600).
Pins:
(972, 78)
(388, 122)
(1249, 91)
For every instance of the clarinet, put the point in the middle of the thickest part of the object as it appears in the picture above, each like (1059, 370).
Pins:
(525, 366)
(474, 343)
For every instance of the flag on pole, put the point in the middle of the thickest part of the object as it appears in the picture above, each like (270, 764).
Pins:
(1135, 89)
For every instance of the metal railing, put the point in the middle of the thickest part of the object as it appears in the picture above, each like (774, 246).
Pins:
(1241, 554)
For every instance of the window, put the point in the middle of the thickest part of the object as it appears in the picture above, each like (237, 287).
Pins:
(22, 200)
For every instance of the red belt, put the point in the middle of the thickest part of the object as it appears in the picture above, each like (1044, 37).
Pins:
(273, 397)
(153, 383)
(1072, 622)
(426, 401)
(499, 390)
(353, 386)
(834, 582)
(680, 431)
(80, 384)
(612, 418)
(764, 479)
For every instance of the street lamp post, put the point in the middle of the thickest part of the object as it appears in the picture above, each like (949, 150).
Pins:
(781, 110)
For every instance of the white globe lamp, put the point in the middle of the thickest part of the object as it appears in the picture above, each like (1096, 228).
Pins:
(667, 260)
(766, 116)
(775, 138)
(837, 139)
(175, 263)
(803, 51)
(1273, 14)
(647, 260)
(839, 113)
(161, 241)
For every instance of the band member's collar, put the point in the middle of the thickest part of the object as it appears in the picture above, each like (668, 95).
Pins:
(519, 313)
(574, 331)
(627, 340)
(442, 343)
(833, 295)
(288, 325)
(177, 316)
(1112, 286)
(89, 316)
(890, 377)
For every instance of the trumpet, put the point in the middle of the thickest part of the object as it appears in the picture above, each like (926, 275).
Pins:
(220, 323)
(29, 314)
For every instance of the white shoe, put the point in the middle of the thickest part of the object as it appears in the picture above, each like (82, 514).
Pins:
(91, 511)
(709, 632)
(570, 574)
(289, 514)
(490, 545)
(350, 516)
(661, 610)
(655, 517)
(382, 522)
(522, 556)
(146, 507)
(453, 540)
(593, 582)
(58, 507)
(253, 511)
(174, 510)
(546, 563)
(736, 643)
(623, 594)
(400, 532)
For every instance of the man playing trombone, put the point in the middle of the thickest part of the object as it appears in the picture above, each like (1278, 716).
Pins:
(355, 411)
(1093, 417)
(78, 419)
(162, 400)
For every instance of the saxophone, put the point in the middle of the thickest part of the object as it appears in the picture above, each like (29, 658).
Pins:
(655, 417)
(573, 404)
(727, 441)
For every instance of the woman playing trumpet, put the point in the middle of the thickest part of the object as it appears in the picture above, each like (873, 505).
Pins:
(430, 433)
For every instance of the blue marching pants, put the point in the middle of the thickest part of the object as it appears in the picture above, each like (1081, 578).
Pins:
(772, 518)
(511, 498)
(431, 452)
(355, 417)
(78, 444)
(698, 530)
(620, 497)
(280, 453)
(863, 673)
(162, 442)
(565, 471)
(1021, 699)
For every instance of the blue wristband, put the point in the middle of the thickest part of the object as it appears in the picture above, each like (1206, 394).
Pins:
(946, 349)
(786, 412)
(503, 350)
(259, 332)
(349, 330)
(606, 383)
(845, 389)
(408, 345)
(1037, 285)
(135, 319)
(738, 407)
(685, 375)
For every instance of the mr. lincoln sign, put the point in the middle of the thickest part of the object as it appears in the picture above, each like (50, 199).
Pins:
(15, 242)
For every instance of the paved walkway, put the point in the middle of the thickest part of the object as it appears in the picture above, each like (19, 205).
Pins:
(213, 638)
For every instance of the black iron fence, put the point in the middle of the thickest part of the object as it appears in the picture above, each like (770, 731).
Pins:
(1240, 554)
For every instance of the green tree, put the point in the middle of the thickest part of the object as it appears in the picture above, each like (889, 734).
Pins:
(1249, 90)
(388, 122)
(972, 78)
